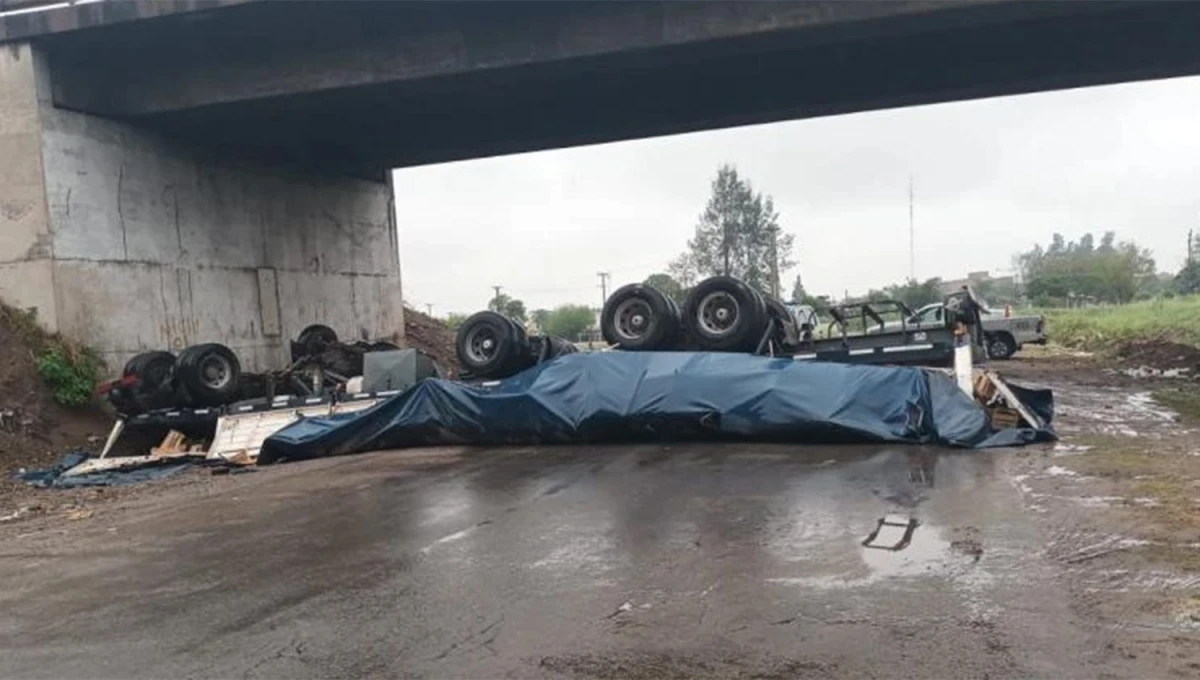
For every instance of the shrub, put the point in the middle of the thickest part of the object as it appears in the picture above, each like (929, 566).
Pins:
(71, 375)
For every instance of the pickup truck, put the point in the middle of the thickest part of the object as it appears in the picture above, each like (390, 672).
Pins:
(1004, 336)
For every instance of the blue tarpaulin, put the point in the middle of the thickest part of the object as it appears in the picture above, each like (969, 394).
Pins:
(664, 396)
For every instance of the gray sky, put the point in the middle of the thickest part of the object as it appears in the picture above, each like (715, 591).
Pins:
(992, 177)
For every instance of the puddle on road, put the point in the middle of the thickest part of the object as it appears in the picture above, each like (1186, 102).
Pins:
(1061, 449)
(1059, 471)
(1150, 372)
(1112, 411)
(926, 553)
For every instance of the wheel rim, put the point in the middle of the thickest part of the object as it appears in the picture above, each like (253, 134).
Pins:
(156, 373)
(215, 372)
(631, 319)
(481, 344)
(999, 348)
(718, 314)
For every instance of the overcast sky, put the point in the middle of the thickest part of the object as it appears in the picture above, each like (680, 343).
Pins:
(992, 177)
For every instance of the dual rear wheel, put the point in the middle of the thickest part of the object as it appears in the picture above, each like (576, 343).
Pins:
(721, 314)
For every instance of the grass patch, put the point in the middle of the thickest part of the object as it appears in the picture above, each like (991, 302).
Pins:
(1185, 402)
(1104, 328)
(71, 376)
(68, 368)
(1156, 470)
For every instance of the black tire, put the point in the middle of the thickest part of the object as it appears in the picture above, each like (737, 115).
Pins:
(724, 314)
(316, 338)
(155, 386)
(490, 345)
(1000, 346)
(559, 347)
(210, 374)
(638, 317)
(777, 312)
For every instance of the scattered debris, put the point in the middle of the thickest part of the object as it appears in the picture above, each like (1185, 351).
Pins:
(1059, 471)
(14, 515)
(175, 444)
(1061, 449)
(969, 547)
(628, 606)
(893, 532)
(78, 468)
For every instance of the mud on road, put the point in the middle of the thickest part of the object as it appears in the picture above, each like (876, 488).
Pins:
(1070, 560)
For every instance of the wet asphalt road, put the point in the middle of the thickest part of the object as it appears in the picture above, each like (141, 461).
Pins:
(720, 560)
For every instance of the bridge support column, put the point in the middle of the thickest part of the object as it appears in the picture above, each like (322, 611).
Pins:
(127, 240)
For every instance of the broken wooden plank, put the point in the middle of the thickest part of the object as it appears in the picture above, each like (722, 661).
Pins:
(1014, 403)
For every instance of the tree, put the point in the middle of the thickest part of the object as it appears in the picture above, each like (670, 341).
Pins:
(737, 234)
(668, 285)
(912, 293)
(1187, 281)
(568, 321)
(539, 317)
(454, 319)
(508, 306)
(798, 292)
(1113, 272)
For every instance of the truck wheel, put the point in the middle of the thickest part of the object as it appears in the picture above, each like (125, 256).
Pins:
(725, 315)
(210, 373)
(639, 317)
(559, 347)
(489, 345)
(154, 388)
(1000, 346)
(784, 322)
(316, 338)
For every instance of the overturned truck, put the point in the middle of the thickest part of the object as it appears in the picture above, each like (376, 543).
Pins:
(725, 314)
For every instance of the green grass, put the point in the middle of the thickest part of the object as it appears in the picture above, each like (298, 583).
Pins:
(1103, 328)
(68, 368)
(1183, 400)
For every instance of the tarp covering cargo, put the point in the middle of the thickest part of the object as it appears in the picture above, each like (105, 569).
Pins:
(663, 396)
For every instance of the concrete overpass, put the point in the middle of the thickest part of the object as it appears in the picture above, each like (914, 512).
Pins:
(224, 162)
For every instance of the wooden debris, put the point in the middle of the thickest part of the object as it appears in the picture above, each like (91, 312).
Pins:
(985, 390)
(1005, 410)
(1013, 402)
(177, 444)
(1003, 418)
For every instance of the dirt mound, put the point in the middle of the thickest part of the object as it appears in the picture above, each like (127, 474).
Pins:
(1160, 354)
(431, 336)
(34, 429)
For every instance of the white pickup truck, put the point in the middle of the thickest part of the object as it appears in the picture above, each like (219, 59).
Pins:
(1004, 335)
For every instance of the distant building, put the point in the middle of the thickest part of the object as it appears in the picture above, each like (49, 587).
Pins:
(975, 279)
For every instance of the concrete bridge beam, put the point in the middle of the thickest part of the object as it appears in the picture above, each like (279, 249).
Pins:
(128, 240)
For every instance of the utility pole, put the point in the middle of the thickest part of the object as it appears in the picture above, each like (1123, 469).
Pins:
(497, 289)
(774, 263)
(912, 235)
(429, 309)
(603, 287)
(1191, 246)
